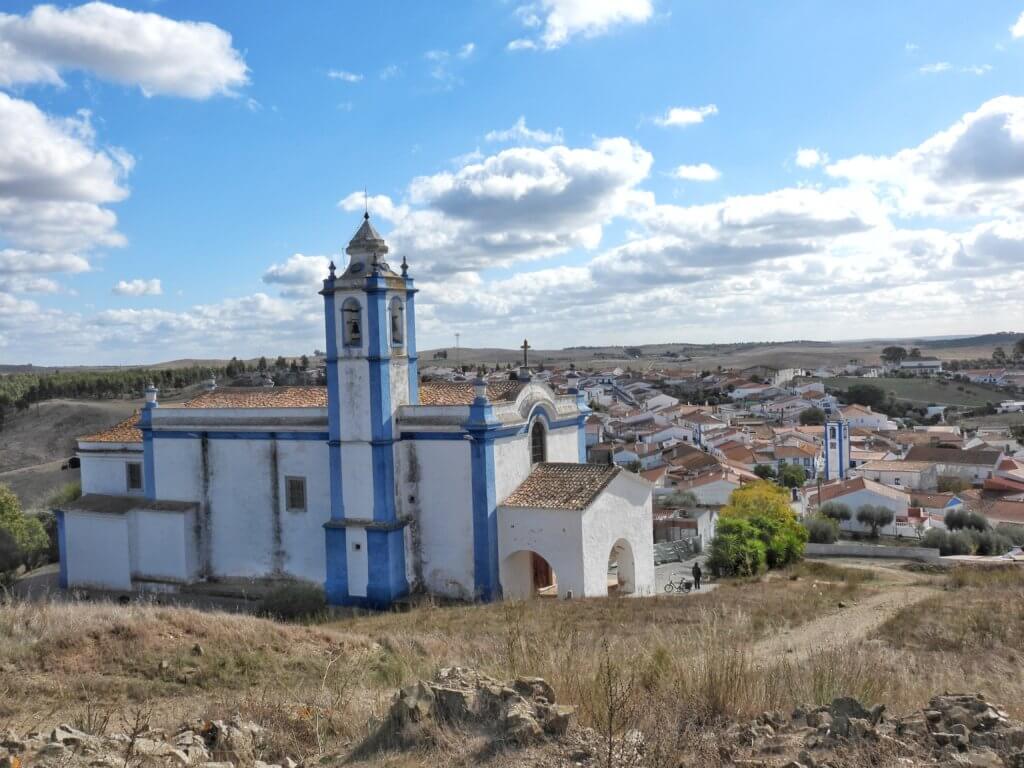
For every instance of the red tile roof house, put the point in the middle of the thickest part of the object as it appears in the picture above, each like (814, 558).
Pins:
(857, 492)
(972, 466)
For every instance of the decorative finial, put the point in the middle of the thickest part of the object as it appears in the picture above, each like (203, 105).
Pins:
(331, 269)
(366, 205)
(405, 267)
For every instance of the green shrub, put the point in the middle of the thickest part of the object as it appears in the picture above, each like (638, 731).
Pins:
(936, 538)
(1015, 533)
(27, 532)
(960, 543)
(821, 530)
(294, 601)
(958, 519)
(875, 517)
(992, 543)
(65, 495)
(737, 549)
(836, 511)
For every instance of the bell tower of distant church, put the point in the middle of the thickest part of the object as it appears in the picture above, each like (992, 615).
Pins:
(371, 371)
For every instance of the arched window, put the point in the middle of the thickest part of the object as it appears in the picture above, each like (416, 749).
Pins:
(351, 323)
(538, 443)
(397, 312)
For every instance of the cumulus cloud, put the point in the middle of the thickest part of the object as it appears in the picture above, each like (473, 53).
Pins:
(300, 275)
(55, 181)
(1017, 30)
(159, 55)
(138, 287)
(520, 133)
(973, 168)
(810, 158)
(699, 172)
(932, 69)
(559, 21)
(682, 116)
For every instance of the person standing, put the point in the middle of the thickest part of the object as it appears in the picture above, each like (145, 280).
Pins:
(697, 574)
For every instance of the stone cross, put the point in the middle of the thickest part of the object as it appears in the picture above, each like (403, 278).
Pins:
(526, 349)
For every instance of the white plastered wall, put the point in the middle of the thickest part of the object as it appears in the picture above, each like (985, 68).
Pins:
(106, 473)
(555, 535)
(443, 508)
(163, 545)
(97, 550)
(622, 511)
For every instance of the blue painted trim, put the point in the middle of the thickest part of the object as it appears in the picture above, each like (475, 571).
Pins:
(433, 435)
(62, 547)
(483, 429)
(826, 450)
(162, 434)
(148, 458)
(581, 439)
(336, 555)
(495, 433)
(385, 554)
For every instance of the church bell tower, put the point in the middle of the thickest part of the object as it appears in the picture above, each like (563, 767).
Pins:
(371, 372)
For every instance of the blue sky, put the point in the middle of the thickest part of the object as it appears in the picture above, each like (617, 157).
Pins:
(174, 176)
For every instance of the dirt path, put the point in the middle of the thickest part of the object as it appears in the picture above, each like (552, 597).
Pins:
(898, 589)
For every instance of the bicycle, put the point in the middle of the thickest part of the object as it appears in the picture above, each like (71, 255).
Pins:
(684, 585)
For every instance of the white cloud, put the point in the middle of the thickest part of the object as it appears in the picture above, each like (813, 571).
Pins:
(55, 182)
(973, 168)
(159, 55)
(389, 72)
(1017, 30)
(521, 44)
(910, 47)
(563, 20)
(466, 51)
(138, 287)
(682, 116)
(809, 158)
(300, 275)
(340, 74)
(931, 69)
(520, 133)
(977, 69)
(700, 172)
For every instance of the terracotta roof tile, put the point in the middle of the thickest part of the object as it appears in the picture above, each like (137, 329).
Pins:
(562, 486)
(461, 393)
(126, 431)
(260, 397)
(952, 455)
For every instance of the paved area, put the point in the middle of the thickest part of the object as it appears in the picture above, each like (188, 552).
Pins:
(669, 571)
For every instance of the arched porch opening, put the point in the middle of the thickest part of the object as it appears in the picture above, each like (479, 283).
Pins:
(621, 569)
(527, 574)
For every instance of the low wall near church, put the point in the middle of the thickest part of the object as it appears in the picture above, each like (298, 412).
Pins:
(923, 554)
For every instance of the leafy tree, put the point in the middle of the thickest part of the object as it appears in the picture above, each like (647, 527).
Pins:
(304, 362)
(681, 499)
(27, 532)
(894, 355)
(261, 366)
(836, 511)
(280, 363)
(812, 417)
(875, 517)
(1017, 432)
(792, 476)
(1018, 348)
(959, 519)
(737, 549)
(764, 471)
(999, 356)
(915, 353)
(821, 530)
(866, 394)
(766, 507)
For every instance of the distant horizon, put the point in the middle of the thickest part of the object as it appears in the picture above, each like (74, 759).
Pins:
(574, 173)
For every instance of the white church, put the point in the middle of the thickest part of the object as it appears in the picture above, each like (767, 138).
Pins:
(375, 486)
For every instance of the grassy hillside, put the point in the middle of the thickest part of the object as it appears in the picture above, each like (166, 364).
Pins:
(924, 391)
(685, 662)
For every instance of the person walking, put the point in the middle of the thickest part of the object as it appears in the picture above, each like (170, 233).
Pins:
(697, 574)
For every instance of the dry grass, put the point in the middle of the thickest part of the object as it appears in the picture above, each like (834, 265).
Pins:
(675, 665)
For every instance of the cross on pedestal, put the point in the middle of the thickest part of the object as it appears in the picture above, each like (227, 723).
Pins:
(526, 349)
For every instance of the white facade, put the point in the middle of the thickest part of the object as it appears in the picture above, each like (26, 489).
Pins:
(374, 486)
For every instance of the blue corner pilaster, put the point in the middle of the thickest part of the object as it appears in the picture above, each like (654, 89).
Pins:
(482, 427)
(385, 546)
(336, 577)
(62, 548)
(581, 422)
(148, 460)
(410, 342)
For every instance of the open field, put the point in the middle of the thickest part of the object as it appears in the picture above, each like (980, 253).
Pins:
(876, 632)
(925, 391)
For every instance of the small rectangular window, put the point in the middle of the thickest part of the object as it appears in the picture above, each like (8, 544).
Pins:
(295, 494)
(134, 475)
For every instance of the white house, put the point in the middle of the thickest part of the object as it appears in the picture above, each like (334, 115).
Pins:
(912, 475)
(862, 417)
(858, 492)
(921, 366)
(375, 486)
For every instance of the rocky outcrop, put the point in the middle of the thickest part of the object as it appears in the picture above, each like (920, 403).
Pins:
(204, 744)
(954, 730)
(520, 712)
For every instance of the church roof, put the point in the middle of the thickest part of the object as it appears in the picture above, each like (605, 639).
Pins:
(461, 393)
(259, 397)
(126, 431)
(562, 486)
(367, 238)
